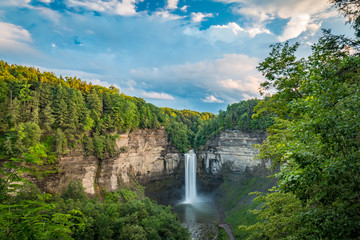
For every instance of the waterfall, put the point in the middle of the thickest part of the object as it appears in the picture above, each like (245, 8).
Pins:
(190, 177)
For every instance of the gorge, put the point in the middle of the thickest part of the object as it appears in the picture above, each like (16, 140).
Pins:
(83, 144)
(80, 161)
(150, 159)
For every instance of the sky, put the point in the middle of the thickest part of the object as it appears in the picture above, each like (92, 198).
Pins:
(185, 54)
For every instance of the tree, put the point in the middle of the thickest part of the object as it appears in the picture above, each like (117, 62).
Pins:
(22, 218)
(47, 118)
(28, 135)
(95, 105)
(315, 139)
(34, 107)
(60, 142)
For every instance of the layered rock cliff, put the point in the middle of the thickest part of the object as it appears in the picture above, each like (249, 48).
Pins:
(144, 155)
(231, 152)
(230, 171)
(149, 158)
(234, 150)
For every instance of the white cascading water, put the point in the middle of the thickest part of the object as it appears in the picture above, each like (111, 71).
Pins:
(190, 177)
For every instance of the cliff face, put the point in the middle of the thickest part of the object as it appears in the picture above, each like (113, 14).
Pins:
(233, 150)
(148, 157)
(145, 155)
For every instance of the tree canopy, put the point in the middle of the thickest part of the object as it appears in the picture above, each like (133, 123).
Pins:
(315, 139)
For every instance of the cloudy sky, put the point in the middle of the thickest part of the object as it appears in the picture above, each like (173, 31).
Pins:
(194, 54)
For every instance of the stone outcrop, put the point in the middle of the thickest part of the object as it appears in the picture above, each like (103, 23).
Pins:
(233, 150)
(148, 157)
(145, 154)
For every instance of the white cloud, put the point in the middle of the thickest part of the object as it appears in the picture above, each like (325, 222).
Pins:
(184, 8)
(172, 4)
(228, 33)
(327, 14)
(227, 78)
(304, 15)
(264, 9)
(19, 3)
(167, 15)
(257, 14)
(46, 1)
(298, 25)
(11, 32)
(157, 95)
(123, 8)
(16, 41)
(199, 17)
(50, 14)
(256, 29)
(212, 99)
(47, 12)
(295, 27)
(225, 33)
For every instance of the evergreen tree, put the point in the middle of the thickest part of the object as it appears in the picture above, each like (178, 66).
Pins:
(34, 107)
(95, 105)
(60, 142)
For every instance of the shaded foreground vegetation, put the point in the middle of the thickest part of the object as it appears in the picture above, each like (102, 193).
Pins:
(72, 215)
(316, 141)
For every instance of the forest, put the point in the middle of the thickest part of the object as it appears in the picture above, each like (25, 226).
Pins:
(310, 110)
(43, 117)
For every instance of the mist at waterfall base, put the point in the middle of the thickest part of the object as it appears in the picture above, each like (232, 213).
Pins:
(196, 211)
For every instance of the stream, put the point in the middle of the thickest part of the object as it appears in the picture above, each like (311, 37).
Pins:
(200, 218)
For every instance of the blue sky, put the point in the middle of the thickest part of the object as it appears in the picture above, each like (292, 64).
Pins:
(185, 54)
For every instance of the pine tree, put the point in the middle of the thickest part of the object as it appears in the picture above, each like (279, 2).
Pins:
(95, 105)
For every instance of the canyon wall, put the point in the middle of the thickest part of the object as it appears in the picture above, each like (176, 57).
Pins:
(229, 170)
(148, 157)
(233, 149)
(145, 155)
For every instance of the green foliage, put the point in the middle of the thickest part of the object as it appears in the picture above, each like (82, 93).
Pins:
(128, 195)
(60, 142)
(182, 126)
(222, 235)
(75, 191)
(178, 135)
(32, 219)
(315, 139)
(28, 134)
(25, 213)
(236, 203)
(75, 113)
(237, 116)
(117, 219)
(276, 216)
